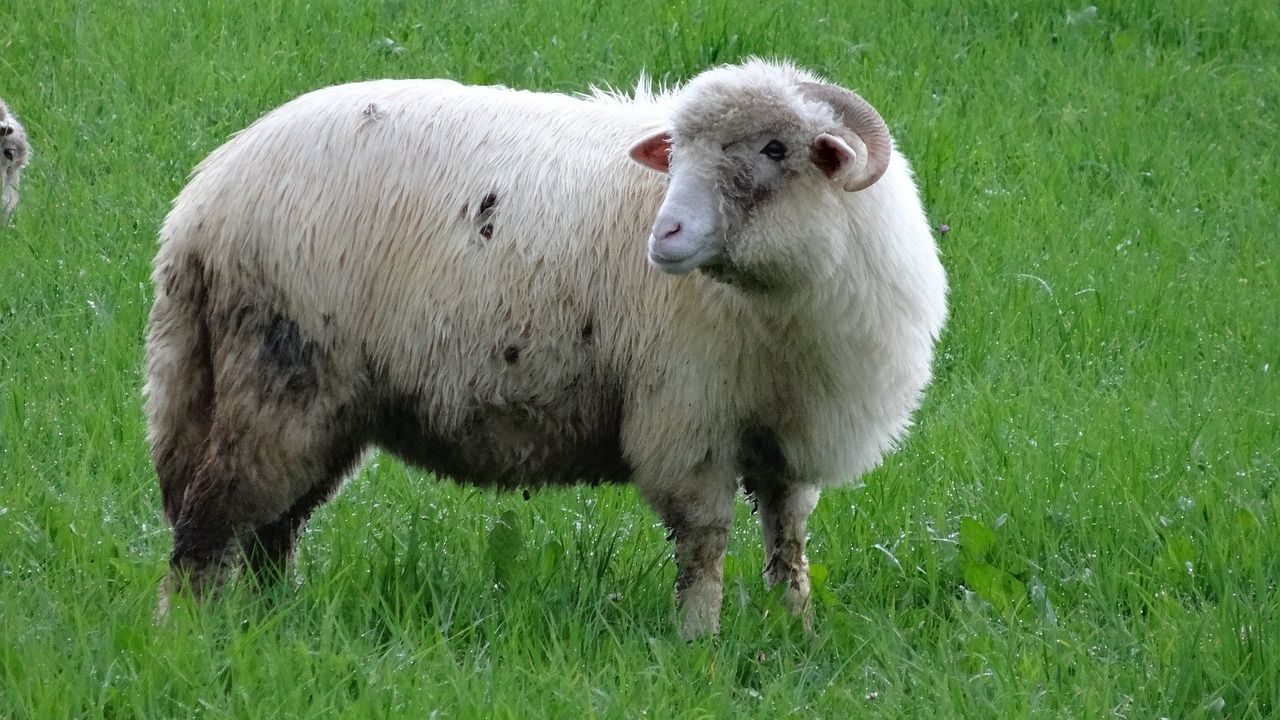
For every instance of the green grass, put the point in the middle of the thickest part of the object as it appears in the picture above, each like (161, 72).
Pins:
(1085, 522)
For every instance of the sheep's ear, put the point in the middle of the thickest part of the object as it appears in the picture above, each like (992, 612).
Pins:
(654, 151)
(834, 157)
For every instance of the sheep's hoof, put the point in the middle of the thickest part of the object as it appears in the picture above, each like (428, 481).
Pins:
(698, 626)
(700, 610)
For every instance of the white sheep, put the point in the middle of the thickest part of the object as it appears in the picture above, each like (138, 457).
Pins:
(15, 153)
(458, 275)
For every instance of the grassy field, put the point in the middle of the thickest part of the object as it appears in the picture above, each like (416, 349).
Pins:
(1085, 522)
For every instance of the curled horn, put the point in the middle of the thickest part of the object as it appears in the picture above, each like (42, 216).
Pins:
(863, 121)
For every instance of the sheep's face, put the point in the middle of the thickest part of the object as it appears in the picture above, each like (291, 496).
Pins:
(743, 155)
(713, 190)
(14, 154)
(13, 142)
(718, 187)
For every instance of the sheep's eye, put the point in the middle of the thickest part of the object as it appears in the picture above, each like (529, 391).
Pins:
(8, 153)
(774, 150)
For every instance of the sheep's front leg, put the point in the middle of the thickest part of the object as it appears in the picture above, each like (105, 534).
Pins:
(699, 516)
(784, 513)
(700, 553)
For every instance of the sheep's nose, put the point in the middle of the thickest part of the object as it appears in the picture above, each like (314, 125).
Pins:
(666, 228)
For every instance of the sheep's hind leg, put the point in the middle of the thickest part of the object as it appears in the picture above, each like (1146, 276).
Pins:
(270, 547)
(280, 442)
(784, 512)
(254, 491)
(215, 508)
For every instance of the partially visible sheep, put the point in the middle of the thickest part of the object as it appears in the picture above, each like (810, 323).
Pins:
(458, 275)
(15, 153)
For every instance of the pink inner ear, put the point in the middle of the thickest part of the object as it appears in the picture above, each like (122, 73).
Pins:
(829, 153)
(654, 151)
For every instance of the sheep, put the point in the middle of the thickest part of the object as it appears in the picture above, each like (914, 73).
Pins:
(15, 153)
(730, 283)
